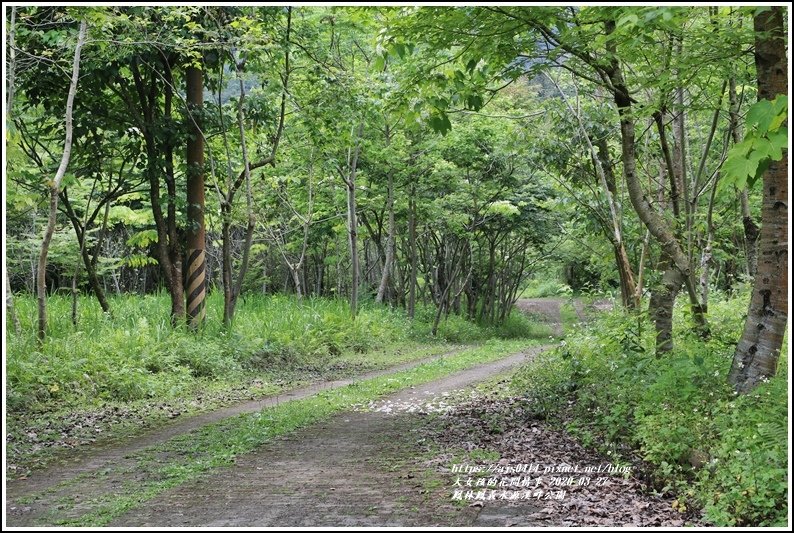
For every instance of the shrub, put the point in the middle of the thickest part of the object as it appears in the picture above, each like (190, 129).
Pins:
(724, 453)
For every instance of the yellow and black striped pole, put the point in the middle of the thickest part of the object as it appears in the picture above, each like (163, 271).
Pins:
(196, 264)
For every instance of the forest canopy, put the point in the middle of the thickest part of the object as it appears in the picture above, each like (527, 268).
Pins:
(385, 173)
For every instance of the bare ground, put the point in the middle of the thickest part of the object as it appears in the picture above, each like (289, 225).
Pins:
(596, 489)
(545, 310)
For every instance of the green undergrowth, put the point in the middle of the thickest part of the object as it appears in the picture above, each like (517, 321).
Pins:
(108, 378)
(38, 439)
(716, 451)
(216, 445)
(138, 355)
(545, 288)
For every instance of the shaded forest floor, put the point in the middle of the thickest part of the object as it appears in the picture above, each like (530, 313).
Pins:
(387, 461)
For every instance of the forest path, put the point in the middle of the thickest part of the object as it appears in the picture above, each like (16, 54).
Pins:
(389, 464)
(90, 460)
(354, 469)
(288, 476)
(546, 310)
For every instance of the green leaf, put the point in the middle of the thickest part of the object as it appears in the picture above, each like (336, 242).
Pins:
(778, 142)
(440, 123)
(742, 148)
(761, 115)
(780, 107)
(629, 19)
(762, 148)
(759, 172)
(737, 169)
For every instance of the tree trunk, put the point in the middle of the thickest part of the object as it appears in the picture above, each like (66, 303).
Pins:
(661, 305)
(226, 263)
(606, 180)
(88, 261)
(295, 271)
(195, 286)
(168, 249)
(653, 221)
(750, 227)
(388, 265)
(41, 289)
(12, 62)
(412, 254)
(706, 258)
(352, 223)
(758, 350)
(10, 309)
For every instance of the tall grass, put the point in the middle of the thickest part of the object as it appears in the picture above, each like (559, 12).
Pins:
(137, 354)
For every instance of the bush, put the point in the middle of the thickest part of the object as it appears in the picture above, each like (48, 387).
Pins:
(545, 288)
(724, 453)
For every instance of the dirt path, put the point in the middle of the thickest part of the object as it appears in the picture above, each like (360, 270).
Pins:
(545, 310)
(338, 473)
(113, 453)
(343, 472)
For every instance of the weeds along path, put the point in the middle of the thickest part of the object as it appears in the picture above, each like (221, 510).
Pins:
(354, 469)
(95, 458)
(103, 486)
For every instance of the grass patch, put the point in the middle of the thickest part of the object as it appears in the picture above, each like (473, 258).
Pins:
(39, 439)
(186, 457)
(545, 288)
(138, 355)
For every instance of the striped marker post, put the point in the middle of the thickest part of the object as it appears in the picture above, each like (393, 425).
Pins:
(196, 261)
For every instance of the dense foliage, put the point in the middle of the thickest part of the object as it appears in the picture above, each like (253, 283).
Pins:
(698, 440)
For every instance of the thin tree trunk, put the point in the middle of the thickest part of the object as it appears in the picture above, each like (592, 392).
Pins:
(88, 261)
(12, 62)
(649, 217)
(750, 227)
(706, 258)
(352, 221)
(412, 253)
(168, 249)
(41, 294)
(10, 309)
(601, 162)
(387, 267)
(10, 80)
(74, 293)
(758, 350)
(295, 271)
(641, 266)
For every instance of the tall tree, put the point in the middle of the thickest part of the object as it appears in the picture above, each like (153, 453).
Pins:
(348, 173)
(758, 350)
(196, 264)
(10, 309)
(55, 186)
